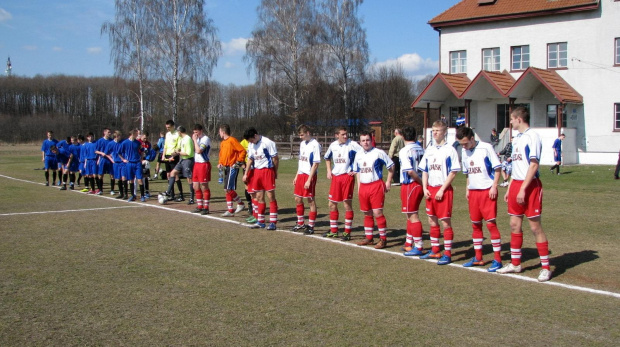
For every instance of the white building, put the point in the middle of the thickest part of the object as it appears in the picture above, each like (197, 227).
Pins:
(561, 58)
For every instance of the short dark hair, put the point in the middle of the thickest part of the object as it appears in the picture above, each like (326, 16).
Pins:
(145, 133)
(523, 113)
(181, 129)
(225, 128)
(339, 129)
(303, 129)
(464, 132)
(90, 133)
(409, 134)
(250, 133)
(170, 122)
(198, 127)
(80, 137)
(365, 132)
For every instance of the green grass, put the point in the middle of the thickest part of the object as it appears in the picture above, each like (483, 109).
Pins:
(140, 275)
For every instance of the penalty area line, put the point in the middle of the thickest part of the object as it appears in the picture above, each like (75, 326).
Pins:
(66, 211)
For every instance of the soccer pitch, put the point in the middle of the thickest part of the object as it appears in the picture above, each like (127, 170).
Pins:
(91, 270)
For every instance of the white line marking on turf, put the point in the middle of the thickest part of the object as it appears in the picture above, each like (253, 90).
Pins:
(65, 211)
(350, 244)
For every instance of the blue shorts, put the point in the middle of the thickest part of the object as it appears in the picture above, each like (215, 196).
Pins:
(557, 158)
(104, 167)
(91, 167)
(133, 170)
(51, 163)
(119, 170)
(81, 168)
(74, 166)
(230, 177)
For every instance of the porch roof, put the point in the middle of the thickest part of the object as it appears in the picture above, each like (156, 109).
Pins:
(438, 90)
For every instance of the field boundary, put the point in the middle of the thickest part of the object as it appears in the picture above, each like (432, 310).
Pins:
(317, 237)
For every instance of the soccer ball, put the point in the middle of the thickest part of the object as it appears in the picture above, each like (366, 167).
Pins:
(162, 199)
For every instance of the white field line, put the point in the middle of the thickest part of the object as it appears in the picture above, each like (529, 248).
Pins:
(65, 211)
(350, 244)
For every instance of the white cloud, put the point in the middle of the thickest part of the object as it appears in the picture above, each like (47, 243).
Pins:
(57, 49)
(229, 65)
(30, 47)
(234, 46)
(412, 64)
(5, 15)
(93, 50)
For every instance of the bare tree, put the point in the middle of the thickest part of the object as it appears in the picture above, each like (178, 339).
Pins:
(343, 41)
(129, 41)
(280, 49)
(185, 46)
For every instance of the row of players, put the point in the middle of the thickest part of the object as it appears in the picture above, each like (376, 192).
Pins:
(428, 176)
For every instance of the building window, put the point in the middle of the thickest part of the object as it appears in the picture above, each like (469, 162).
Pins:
(490, 59)
(520, 57)
(617, 117)
(552, 116)
(557, 55)
(617, 50)
(458, 62)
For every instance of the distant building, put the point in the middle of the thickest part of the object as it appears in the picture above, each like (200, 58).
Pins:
(559, 58)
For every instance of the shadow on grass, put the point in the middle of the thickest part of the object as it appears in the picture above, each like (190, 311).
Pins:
(563, 262)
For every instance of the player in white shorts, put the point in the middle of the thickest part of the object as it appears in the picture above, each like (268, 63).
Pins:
(341, 154)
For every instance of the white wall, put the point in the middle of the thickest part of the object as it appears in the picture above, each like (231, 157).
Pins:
(590, 40)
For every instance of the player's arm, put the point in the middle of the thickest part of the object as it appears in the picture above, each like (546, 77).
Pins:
(427, 192)
(276, 161)
(414, 175)
(529, 176)
(328, 165)
(240, 152)
(390, 175)
(313, 170)
(493, 191)
(445, 185)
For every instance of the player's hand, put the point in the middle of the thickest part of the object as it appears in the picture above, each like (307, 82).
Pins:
(467, 194)
(245, 179)
(521, 197)
(387, 186)
(493, 193)
(427, 194)
(506, 197)
(439, 195)
(307, 185)
(329, 175)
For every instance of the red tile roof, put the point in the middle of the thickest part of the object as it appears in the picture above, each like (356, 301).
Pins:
(456, 84)
(469, 11)
(562, 91)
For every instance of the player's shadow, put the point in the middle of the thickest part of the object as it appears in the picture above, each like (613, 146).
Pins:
(563, 262)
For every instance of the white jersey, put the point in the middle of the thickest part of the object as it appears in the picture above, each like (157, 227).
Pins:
(525, 146)
(369, 165)
(309, 154)
(342, 156)
(438, 162)
(409, 157)
(479, 165)
(204, 142)
(262, 153)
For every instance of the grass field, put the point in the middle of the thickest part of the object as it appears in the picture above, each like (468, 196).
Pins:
(90, 270)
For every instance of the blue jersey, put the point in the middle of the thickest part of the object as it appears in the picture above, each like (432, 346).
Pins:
(89, 151)
(160, 144)
(102, 144)
(47, 144)
(116, 151)
(63, 154)
(109, 149)
(131, 151)
(62, 144)
(557, 145)
(76, 150)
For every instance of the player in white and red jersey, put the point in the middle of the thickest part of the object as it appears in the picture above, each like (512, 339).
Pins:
(411, 192)
(263, 171)
(439, 165)
(201, 174)
(305, 179)
(341, 154)
(371, 188)
(524, 195)
(482, 167)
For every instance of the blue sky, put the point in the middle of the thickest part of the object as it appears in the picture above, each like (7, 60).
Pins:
(63, 37)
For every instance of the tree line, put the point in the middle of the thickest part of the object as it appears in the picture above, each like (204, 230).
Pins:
(310, 58)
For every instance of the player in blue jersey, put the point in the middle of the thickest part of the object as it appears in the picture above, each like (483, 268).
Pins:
(557, 153)
(90, 162)
(160, 149)
(118, 167)
(131, 155)
(61, 169)
(64, 158)
(74, 167)
(104, 165)
(48, 158)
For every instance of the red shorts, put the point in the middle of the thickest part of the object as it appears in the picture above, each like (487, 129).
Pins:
(410, 197)
(481, 206)
(201, 173)
(533, 199)
(341, 188)
(300, 191)
(250, 174)
(263, 180)
(440, 209)
(372, 196)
